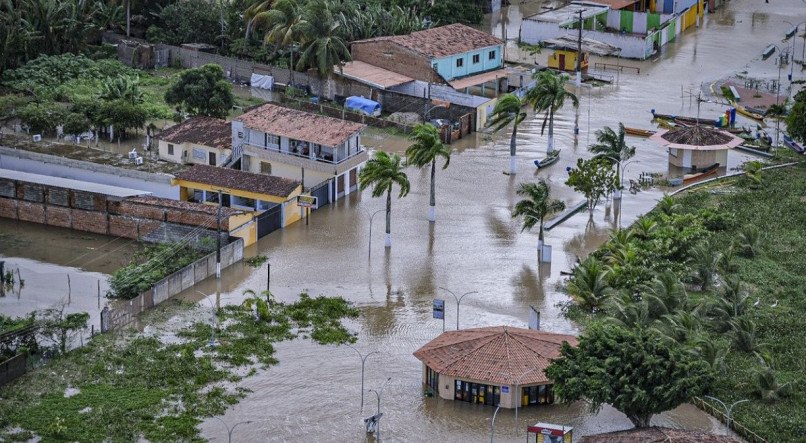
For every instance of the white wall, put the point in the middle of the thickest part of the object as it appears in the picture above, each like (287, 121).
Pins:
(631, 46)
(533, 32)
(312, 178)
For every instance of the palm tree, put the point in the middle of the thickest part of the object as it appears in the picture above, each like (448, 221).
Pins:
(704, 261)
(322, 46)
(748, 242)
(664, 294)
(383, 171)
(611, 144)
(668, 205)
(537, 205)
(282, 23)
(549, 95)
(767, 387)
(252, 12)
(588, 286)
(426, 149)
(509, 109)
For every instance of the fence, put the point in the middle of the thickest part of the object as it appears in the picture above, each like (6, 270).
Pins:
(739, 428)
(125, 312)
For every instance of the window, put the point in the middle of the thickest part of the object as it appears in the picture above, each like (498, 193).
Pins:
(199, 154)
(271, 140)
(460, 62)
(492, 55)
(170, 149)
(265, 168)
(476, 58)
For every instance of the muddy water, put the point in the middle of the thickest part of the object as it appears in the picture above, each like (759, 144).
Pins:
(314, 393)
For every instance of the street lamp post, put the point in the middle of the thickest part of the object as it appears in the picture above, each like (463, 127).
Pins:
(458, 301)
(794, 38)
(518, 397)
(728, 409)
(378, 394)
(371, 216)
(230, 430)
(363, 362)
(492, 423)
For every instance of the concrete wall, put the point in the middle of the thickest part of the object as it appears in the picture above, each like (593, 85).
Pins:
(16, 159)
(632, 45)
(447, 68)
(183, 153)
(395, 58)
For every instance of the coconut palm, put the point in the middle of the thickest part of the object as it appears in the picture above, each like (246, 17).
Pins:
(744, 334)
(509, 109)
(668, 205)
(767, 387)
(611, 144)
(704, 262)
(664, 294)
(322, 47)
(644, 227)
(588, 286)
(384, 171)
(255, 10)
(748, 242)
(549, 95)
(537, 205)
(282, 24)
(426, 149)
(710, 352)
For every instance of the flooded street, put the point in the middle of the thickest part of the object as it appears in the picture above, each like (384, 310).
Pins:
(475, 245)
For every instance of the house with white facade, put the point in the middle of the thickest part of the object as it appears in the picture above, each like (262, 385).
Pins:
(323, 153)
(198, 141)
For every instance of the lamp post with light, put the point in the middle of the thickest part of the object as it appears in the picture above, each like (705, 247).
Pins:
(458, 301)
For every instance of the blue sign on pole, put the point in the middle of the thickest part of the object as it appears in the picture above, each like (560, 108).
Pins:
(439, 309)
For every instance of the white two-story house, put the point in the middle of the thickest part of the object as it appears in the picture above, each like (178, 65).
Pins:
(323, 153)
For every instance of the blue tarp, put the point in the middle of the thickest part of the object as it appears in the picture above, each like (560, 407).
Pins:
(363, 105)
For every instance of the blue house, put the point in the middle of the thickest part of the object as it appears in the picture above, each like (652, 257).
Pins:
(456, 54)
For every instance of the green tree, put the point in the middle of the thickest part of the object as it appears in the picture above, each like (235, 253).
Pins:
(75, 123)
(634, 370)
(704, 264)
(549, 96)
(796, 120)
(384, 171)
(426, 149)
(610, 144)
(588, 285)
(41, 118)
(186, 21)
(61, 328)
(594, 178)
(537, 205)
(322, 47)
(122, 116)
(282, 24)
(202, 91)
(752, 170)
(509, 109)
(122, 87)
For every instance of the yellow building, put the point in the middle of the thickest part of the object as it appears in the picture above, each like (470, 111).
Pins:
(566, 60)
(270, 202)
(199, 140)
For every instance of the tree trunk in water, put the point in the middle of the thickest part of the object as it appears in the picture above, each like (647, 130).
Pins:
(551, 130)
(513, 163)
(432, 208)
(640, 421)
(388, 242)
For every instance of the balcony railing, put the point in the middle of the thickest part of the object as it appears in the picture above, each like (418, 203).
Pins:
(325, 158)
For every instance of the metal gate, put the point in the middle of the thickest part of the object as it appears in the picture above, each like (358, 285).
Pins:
(322, 193)
(269, 221)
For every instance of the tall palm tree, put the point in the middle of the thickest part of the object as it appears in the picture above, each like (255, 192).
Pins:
(253, 11)
(611, 144)
(322, 46)
(282, 27)
(426, 149)
(537, 205)
(509, 109)
(383, 171)
(549, 95)
(704, 263)
(588, 286)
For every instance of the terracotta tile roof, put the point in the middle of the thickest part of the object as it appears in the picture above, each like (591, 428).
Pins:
(182, 205)
(657, 435)
(498, 355)
(300, 125)
(240, 180)
(206, 131)
(443, 41)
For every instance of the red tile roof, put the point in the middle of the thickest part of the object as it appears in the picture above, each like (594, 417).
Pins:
(240, 180)
(442, 41)
(498, 355)
(206, 131)
(300, 125)
(657, 435)
(182, 205)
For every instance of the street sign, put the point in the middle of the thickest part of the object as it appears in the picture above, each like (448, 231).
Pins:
(439, 309)
(307, 201)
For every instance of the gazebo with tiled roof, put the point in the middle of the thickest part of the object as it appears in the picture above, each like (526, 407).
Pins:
(487, 365)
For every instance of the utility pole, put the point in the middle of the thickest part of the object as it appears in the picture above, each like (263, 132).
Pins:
(579, 51)
(218, 239)
(268, 278)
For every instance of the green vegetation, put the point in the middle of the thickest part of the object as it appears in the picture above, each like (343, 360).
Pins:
(425, 150)
(149, 266)
(509, 109)
(382, 172)
(796, 120)
(537, 205)
(594, 178)
(135, 386)
(721, 276)
(256, 261)
(202, 91)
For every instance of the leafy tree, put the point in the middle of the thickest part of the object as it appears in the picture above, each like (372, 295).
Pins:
(75, 123)
(748, 242)
(610, 144)
(509, 109)
(668, 205)
(594, 178)
(588, 285)
(752, 170)
(187, 21)
(633, 370)
(549, 96)
(384, 171)
(796, 120)
(322, 47)
(282, 24)
(41, 117)
(426, 149)
(704, 263)
(124, 88)
(202, 91)
(122, 116)
(61, 329)
(537, 205)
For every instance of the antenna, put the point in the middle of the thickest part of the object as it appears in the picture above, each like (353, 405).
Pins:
(691, 95)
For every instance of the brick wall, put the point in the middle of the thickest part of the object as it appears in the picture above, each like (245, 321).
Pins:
(395, 58)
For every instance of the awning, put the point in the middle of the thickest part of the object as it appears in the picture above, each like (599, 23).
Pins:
(588, 45)
(474, 80)
(372, 75)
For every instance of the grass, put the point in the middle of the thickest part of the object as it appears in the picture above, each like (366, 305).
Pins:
(134, 386)
(775, 279)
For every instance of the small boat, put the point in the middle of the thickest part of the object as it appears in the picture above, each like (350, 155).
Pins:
(550, 159)
(793, 145)
(699, 174)
(748, 113)
(682, 119)
(638, 132)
